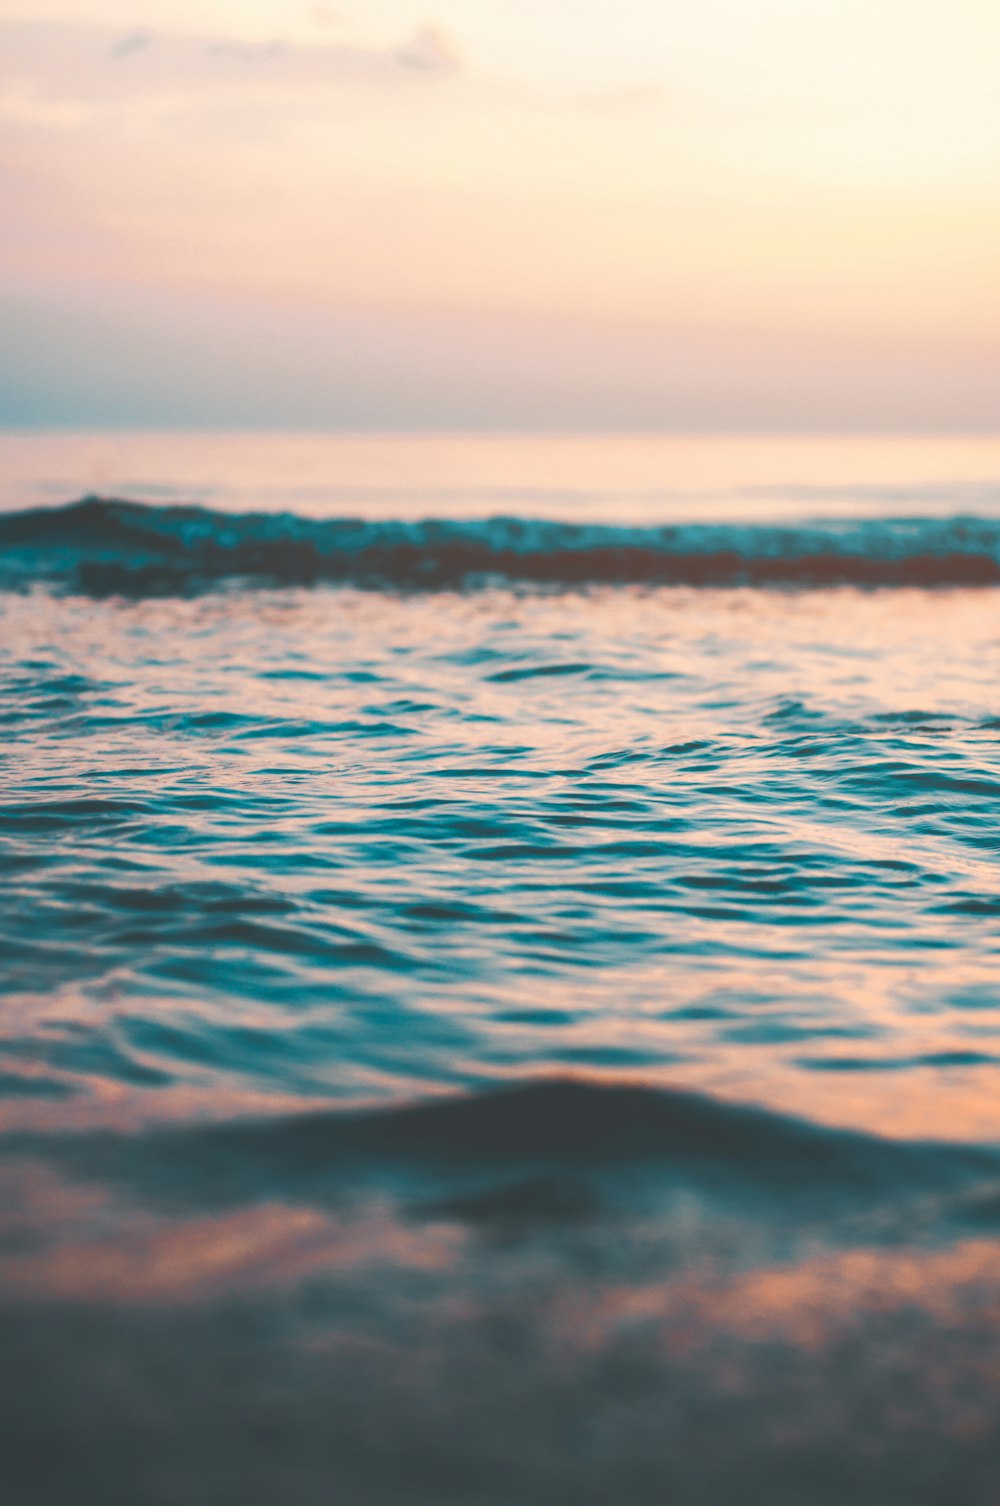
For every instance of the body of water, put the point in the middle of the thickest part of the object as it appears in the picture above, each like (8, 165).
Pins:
(500, 994)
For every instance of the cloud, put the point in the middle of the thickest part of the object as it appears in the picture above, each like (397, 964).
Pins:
(136, 41)
(429, 50)
(52, 62)
(248, 52)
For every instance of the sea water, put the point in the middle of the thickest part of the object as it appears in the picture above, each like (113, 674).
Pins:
(500, 990)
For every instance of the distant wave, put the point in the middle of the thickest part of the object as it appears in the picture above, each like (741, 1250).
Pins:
(104, 546)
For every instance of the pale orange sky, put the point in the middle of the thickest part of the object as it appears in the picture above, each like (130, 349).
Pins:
(570, 213)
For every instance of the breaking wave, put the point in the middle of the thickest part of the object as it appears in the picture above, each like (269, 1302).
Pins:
(105, 546)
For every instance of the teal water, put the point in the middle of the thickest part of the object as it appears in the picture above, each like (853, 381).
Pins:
(562, 946)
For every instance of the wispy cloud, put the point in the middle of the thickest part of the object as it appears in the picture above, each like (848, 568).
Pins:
(48, 62)
(429, 50)
(135, 41)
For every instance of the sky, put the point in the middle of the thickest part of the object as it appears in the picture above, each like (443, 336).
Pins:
(501, 214)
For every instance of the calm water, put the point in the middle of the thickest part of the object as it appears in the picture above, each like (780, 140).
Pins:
(656, 783)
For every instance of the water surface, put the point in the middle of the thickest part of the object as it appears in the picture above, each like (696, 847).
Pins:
(504, 962)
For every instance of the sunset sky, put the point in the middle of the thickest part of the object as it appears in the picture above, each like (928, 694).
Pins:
(562, 214)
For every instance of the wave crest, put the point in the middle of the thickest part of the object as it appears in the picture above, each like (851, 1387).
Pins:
(107, 546)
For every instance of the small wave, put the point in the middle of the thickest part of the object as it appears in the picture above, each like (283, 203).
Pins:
(110, 547)
(586, 1121)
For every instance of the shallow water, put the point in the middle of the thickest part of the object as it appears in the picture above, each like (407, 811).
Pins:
(326, 843)
(305, 821)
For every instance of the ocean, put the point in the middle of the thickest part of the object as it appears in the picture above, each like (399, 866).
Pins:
(501, 994)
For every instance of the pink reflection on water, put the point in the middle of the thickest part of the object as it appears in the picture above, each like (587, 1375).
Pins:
(806, 1303)
(879, 1035)
(88, 1247)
